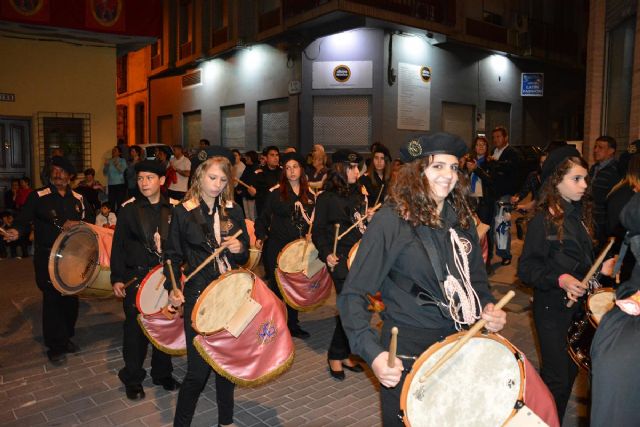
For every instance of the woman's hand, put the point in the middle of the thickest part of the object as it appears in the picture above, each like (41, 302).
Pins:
(388, 377)
(176, 298)
(370, 213)
(258, 244)
(332, 260)
(233, 244)
(572, 286)
(496, 318)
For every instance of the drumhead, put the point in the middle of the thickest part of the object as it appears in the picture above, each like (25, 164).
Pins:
(220, 300)
(74, 262)
(479, 385)
(600, 302)
(152, 296)
(290, 258)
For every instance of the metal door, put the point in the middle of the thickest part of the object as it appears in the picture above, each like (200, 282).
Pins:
(15, 155)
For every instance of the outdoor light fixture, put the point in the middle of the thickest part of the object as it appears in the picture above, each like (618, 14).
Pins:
(499, 63)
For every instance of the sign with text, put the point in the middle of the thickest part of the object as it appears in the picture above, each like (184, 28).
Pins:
(342, 75)
(532, 84)
(7, 97)
(414, 96)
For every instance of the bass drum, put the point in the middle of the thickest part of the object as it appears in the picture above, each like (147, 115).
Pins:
(79, 261)
(254, 253)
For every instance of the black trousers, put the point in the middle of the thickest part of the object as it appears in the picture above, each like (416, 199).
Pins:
(339, 348)
(412, 342)
(198, 371)
(117, 195)
(270, 259)
(59, 313)
(486, 212)
(134, 348)
(558, 371)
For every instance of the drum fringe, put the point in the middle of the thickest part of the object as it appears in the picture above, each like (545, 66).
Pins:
(241, 381)
(293, 304)
(169, 351)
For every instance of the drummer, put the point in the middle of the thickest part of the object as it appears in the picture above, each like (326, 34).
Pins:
(53, 209)
(342, 202)
(557, 253)
(376, 179)
(285, 217)
(137, 248)
(421, 252)
(206, 219)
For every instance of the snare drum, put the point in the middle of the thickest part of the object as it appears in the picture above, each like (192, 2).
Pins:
(254, 253)
(79, 261)
(600, 303)
(302, 277)
(243, 329)
(152, 297)
(352, 254)
(480, 385)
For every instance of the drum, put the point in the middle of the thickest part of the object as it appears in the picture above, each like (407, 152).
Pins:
(302, 277)
(352, 254)
(581, 332)
(152, 297)
(481, 385)
(254, 253)
(243, 329)
(79, 261)
(167, 335)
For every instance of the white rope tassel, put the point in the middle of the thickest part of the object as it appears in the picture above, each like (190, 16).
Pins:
(469, 305)
(298, 206)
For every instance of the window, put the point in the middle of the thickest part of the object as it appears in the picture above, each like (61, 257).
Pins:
(273, 123)
(70, 132)
(232, 126)
(342, 121)
(121, 74)
(185, 28)
(219, 22)
(156, 54)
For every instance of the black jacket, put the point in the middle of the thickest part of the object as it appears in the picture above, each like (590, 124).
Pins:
(601, 185)
(264, 179)
(279, 219)
(374, 191)
(505, 172)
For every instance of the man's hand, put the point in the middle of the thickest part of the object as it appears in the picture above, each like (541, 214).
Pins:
(496, 319)
(119, 290)
(388, 377)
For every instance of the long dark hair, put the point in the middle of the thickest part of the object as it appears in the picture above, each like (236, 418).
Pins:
(304, 184)
(371, 171)
(410, 194)
(337, 180)
(550, 204)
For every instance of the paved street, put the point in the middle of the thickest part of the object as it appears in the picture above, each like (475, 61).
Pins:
(87, 392)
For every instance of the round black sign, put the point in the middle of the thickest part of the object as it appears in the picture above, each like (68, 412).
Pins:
(341, 73)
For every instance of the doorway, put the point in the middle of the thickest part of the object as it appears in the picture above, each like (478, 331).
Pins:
(15, 151)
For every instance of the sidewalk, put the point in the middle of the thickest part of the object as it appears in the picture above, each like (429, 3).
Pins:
(87, 392)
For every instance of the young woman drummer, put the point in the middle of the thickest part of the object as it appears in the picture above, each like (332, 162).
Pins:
(557, 253)
(414, 253)
(286, 216)
(342, 202)
(376, 180)
(199, 226)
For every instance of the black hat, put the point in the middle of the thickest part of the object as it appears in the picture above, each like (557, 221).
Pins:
(153, 166)
(346, 156)
(555, 158)
(63, 163)
(435, 143)
(379, 148)
(208, 152)
(284, 158)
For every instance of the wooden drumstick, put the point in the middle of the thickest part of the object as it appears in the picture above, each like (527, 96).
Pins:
(174, 286)
(466, 337)
(306, 243)
(355, 224)
(241, 182)
(335, 242)
(393, 347)
(379, 194)
(585, 282)
(210, 258)
(130, 282)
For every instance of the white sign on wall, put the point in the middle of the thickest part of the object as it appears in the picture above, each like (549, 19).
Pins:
(414, 96)
(342, 75)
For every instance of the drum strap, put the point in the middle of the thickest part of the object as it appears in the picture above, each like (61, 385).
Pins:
(206, 230)
(147, 227)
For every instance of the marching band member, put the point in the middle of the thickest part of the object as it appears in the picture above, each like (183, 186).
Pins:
(376, 180)
(421, 251)
(204, 221)
(342, 202)
(285, 217)
(557, 253)
(137, 248)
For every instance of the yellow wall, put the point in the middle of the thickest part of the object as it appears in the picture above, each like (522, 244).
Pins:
(61, 77)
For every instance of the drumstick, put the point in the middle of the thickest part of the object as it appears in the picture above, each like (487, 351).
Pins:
(241, 182)
(470, 334)
(379, 194)
(210, 258)
(355, 224)
(335, 243)
(585, 282)
(4, 232)
(126, 285)
(173, 279)
(306, 242)
(393, 346)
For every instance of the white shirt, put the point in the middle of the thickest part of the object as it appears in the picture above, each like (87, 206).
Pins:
(183, 163)
(102, 220)
(498, 152)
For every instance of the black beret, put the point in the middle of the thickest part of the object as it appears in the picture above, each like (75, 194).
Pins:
(153, 166)
(555, 158)
(284, 158)
(346, 156)
(435, 143)
(379, 148)
(63, 163)
(630, 217)
(211, 151)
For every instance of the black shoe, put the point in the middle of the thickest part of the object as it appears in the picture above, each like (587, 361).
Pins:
(355, 368)
(506, 261)
(167, 383)
(71, 347)
(134, 392)
(300, 333)
(56, 357)
(338, 375)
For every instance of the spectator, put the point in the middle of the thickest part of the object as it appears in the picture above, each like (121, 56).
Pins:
(106, 218)
(114, 169)
(204, 143)
(23, 192)
(91, 190)
(182, 167)
(135, 156)
(531, 185)
(11, 194)
(237, 169)
(248, 199)
(266, 176)
(317, 169)
(9, 249)
(604, 174)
